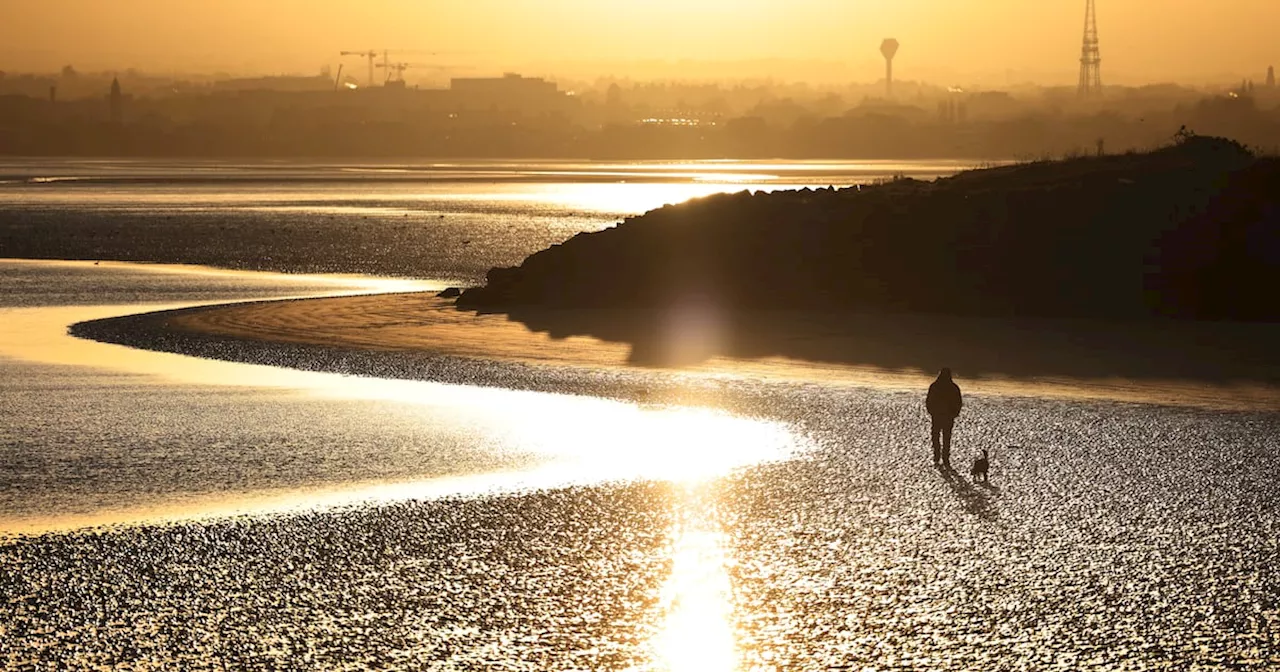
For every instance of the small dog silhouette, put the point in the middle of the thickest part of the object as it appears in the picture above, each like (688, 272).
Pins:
(980, 467)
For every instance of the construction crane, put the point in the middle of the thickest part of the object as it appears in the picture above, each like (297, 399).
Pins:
(372, 55)
(395, 71)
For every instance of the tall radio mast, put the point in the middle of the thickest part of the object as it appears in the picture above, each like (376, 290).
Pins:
(1090, 56)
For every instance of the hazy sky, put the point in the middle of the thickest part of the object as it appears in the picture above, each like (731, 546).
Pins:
(949, 41)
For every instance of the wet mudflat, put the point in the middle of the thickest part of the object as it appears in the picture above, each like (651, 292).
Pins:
(1111, 536)
(542, 580)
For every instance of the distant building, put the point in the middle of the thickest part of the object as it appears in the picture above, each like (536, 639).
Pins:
(509, 92)
(117, 102)
(1271, 77)
(287, 83)
(953, 110)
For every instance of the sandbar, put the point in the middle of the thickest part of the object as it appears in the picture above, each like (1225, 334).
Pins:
(418, 324)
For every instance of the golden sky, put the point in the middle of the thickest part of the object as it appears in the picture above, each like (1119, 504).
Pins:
(947, 41)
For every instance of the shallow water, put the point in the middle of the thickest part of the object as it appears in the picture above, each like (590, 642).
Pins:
(99, 433)
(450, 221)
(801, 526)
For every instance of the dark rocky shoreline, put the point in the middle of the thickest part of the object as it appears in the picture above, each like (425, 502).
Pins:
(1188, 231)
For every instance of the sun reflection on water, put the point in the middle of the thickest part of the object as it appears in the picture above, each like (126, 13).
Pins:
(698, 628)
(635, 198)
(559, 440)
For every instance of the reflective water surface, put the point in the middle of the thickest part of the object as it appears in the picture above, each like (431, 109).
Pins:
(98, 432)
(453, 220)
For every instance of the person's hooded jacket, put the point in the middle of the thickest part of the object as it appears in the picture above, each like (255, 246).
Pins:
(944, 400)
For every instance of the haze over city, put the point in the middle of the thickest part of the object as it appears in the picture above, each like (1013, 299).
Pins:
(976, 42)
(645, 335)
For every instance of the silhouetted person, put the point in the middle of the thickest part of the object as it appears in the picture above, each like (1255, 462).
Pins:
(944, 403)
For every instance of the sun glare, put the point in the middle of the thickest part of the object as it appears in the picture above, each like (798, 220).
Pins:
(633, 198)
(698, 631)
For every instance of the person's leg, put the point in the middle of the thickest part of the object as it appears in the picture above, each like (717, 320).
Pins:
(937, 444)
(947, 426)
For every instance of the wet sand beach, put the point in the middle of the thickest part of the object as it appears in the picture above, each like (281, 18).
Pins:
(1205, 365)
(1113, 534)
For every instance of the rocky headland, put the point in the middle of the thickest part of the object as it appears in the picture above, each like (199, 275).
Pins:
(1191, 230)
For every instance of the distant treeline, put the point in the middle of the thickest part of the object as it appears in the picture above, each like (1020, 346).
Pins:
(410, 125)
(1191, 231)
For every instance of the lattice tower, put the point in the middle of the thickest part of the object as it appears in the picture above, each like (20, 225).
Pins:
(1090, 56)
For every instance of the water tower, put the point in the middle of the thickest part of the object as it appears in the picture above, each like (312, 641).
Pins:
(889, 48)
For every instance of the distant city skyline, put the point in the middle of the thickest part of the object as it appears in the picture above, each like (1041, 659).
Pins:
(988, 42)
